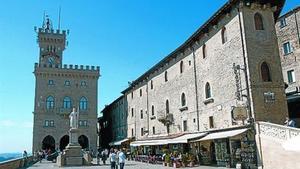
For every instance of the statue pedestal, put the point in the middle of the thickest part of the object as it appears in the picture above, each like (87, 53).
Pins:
(72, 155)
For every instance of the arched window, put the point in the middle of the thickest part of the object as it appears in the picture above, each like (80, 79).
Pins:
(183, 100)
(167, 107)
(224, 35)
(152, 110)
(181, 67)
(67, 102)
(207, 91)
(166, 76)
(204, 51)
(258, 20)
(265, 72)
(50, 102)
(83, 103)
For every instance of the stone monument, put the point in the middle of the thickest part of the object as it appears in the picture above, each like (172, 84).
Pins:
(72, 155)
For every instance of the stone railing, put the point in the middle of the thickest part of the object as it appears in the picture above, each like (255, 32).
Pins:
(16, 163)
(277, 131)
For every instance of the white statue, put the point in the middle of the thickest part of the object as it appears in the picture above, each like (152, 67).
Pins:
(74, 117)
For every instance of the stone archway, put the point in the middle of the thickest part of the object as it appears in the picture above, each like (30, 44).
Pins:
(48, 143)
(64, 141)
(83, 141)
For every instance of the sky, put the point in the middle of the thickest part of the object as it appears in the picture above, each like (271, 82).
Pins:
(124, 38)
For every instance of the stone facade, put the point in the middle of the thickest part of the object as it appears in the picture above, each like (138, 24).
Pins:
(231, 61)
(58, 89)
(287, 28)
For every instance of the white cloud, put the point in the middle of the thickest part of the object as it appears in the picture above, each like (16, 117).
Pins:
(7, 123)
(11, 123)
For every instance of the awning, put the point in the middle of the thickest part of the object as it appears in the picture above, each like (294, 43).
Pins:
(149, 142)
(223, 134)
(185, 138)
(118, 143)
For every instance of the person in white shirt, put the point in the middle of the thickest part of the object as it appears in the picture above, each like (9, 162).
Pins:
(122, 158)
(112, 158)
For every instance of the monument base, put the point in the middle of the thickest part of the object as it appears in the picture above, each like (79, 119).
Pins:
(72, 155)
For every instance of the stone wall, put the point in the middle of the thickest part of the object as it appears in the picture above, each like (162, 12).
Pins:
(245, 47)
(16, 163)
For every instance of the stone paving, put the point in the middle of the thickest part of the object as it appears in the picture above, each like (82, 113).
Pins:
(128, 165)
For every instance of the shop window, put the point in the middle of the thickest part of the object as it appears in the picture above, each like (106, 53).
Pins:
(258, 19)
(265, 72)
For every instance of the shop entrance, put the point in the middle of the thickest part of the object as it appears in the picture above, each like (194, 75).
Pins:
(64, 141)
(48, 143)
(83, 141)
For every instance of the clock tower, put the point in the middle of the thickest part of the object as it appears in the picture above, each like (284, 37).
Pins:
(51, 43)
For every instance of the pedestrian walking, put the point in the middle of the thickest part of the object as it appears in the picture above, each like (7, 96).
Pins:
(112, 159)
(122, 159)
(104, 157)
(117, 159)
(98, 157)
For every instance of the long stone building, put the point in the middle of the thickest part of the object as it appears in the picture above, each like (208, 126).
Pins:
(288, 28)
(58, 89)
(227, 75)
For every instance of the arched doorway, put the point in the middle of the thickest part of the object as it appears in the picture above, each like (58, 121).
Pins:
(64, 141)
(48, 143)
(83, 141)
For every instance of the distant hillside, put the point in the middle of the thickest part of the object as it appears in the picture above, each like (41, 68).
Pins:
(9, 156)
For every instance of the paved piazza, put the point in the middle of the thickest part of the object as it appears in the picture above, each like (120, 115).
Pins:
(129, 165)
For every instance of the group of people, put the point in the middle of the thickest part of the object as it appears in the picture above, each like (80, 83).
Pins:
(116, 158)
(41, 154)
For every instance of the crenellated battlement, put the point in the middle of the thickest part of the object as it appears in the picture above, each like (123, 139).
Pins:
(68, 67)
(52, 31)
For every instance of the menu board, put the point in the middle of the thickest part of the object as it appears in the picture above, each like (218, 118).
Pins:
(248, 153)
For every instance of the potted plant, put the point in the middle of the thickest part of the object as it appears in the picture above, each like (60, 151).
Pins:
(227, 159)
(168, 159)
(191, 159)
(184, 160)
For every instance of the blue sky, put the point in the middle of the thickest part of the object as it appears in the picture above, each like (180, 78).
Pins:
(124, 38)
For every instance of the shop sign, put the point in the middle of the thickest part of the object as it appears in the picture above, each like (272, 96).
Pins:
(239, 113)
